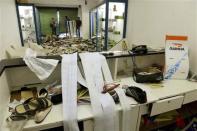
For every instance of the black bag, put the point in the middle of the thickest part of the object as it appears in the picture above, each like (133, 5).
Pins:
(147, 75)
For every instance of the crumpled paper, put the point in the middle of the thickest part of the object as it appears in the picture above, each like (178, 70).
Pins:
(43, 68)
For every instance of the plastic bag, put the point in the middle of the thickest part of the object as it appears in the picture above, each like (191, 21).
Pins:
(41, 67)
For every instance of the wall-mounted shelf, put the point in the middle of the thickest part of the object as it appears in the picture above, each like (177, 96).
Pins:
(18, 62)
(126, 54)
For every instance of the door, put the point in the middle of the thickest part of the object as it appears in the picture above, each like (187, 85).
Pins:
(26, 14)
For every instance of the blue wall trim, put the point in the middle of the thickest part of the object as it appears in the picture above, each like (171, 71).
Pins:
(35, 23)
(106, 24)
(107, 17)
(125, 19)
(19, 23)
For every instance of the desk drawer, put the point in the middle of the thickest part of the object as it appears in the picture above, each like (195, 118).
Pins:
(190, 97)
(166, 105)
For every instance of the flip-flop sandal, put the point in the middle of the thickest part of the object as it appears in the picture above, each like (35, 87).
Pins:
(30, 106)
(16, 118)
(109, 87)
(41, 115)
(43, 93)
(26, 93)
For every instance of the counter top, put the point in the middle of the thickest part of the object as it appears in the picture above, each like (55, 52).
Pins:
(18, 62)
(155, 92)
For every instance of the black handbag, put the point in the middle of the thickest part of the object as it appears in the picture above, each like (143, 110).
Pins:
(147, 75)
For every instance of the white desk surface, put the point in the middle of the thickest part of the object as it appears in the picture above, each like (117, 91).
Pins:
(170, 88)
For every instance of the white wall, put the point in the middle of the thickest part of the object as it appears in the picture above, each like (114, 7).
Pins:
(150, 20)
(193, 48)
(9, 25)
(9, 34)
(5, 94)
(1, 44)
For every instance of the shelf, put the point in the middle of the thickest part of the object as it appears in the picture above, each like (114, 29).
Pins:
(168, 89)
(18, 62)
(55, 117)
(126, 54)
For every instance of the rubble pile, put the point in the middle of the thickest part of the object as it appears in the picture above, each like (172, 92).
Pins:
(57, 46)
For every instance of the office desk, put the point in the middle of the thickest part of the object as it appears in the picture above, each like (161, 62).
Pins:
(168, 92)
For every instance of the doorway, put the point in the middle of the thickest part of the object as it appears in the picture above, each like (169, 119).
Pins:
(27, 24)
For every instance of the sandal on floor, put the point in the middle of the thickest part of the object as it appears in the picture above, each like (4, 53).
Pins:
(30, 106)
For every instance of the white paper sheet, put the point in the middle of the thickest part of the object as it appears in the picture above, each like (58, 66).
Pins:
(126, 110)
(80, 78)
(41, 67)
(102, 104)
(107, 102)
(108, 79)
(94, 93)
(69, 92)
(126, 116)
(176, 57)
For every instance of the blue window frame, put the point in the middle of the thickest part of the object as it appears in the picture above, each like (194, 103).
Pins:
(106, 36)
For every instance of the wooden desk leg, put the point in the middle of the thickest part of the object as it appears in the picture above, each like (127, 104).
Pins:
(88, 125)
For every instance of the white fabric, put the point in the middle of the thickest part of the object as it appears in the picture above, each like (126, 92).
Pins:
(80, 78)
(126, 117)
(111, 120)
(105, 116)
(108, 79)
(69, 92)
(94, 93)
(102, 104)
(126, 111)
(107, 102)
(41, 67)
(106, 71)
